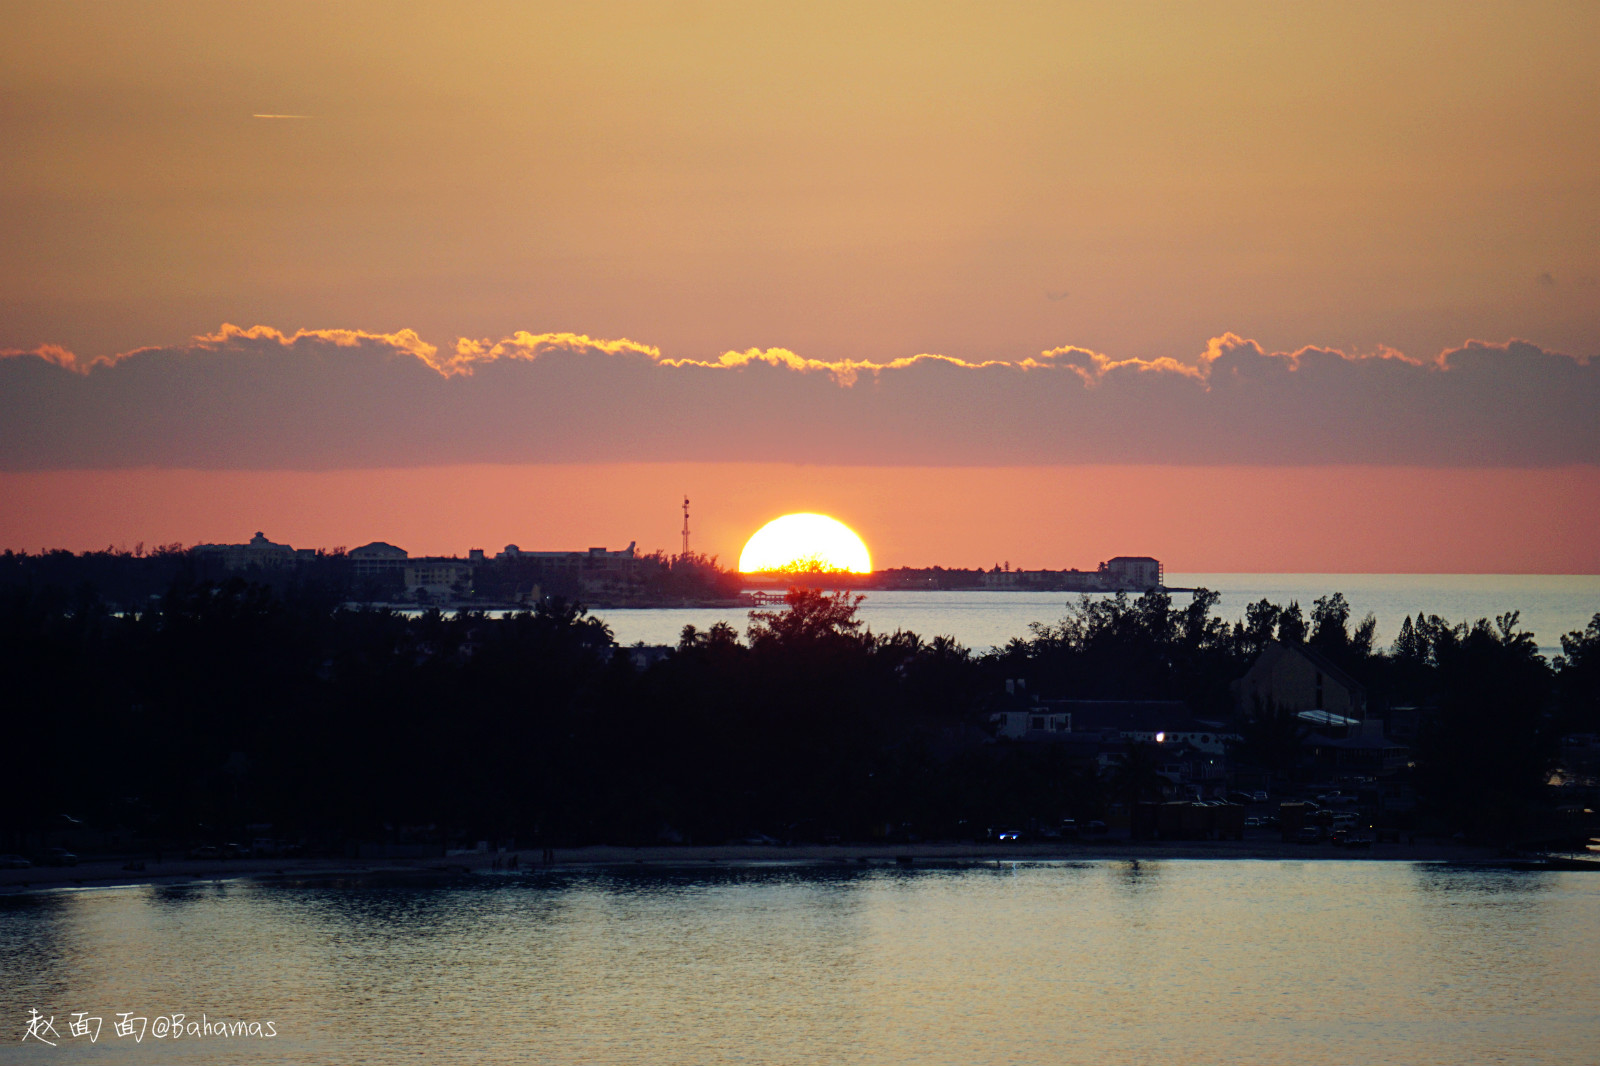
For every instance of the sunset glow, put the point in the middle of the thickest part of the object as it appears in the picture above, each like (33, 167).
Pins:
(737, 240)
(804, 543)
(1190, 410)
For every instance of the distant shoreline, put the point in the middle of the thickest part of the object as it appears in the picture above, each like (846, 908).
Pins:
(111, 874)
(746, 600)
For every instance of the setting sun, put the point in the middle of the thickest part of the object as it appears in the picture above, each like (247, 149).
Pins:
(805, 542)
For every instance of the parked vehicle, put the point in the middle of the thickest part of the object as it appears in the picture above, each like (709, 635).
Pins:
(55, 857)
(14, 862)
(1311, 834)
(760, 840)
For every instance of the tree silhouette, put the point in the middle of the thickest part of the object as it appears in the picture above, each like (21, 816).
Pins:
(190, 716)
(1271, 737)
(1484, 759)
(811, 618)
(1578, 674)
(1291, 624)
(1330, 622)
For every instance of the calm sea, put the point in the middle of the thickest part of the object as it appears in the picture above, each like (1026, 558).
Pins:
(1550, 605)
(1107, 962)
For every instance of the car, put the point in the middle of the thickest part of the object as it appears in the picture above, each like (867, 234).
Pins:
(55, 857)
(1094, 825)
(205, 851)
(1310, 834)
(14, 862)
(760, 840)
(1009, 836)
(1259, 796)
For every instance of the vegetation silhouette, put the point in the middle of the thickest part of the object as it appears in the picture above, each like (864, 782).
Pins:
(219, 706)
(811, 565)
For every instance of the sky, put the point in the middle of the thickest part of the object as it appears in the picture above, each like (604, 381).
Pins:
(1244, 286)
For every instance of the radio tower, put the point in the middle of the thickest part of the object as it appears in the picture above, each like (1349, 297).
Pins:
(685, 527)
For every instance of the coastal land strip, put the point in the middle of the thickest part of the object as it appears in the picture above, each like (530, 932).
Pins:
(114, 873)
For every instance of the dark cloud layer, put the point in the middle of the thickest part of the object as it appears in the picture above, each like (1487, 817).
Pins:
(259, 399)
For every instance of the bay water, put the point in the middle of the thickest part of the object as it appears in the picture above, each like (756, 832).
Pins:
(1164, 961)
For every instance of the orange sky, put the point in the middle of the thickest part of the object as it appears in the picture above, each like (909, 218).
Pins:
(842, 179)
(1239, 519)
(1120, 191)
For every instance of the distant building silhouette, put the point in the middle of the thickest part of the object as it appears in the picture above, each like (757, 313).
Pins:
(1125, 573)
(260, 553)
(1190, 752)
(377, 559)
(595, 559)
(436, 578)
(1297, 678)
(1132, 572)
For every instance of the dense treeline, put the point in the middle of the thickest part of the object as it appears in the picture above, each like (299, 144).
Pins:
(224, 705)
(130, 579)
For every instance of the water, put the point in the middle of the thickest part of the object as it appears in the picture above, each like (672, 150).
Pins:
(1161, 962)
(1550, 605)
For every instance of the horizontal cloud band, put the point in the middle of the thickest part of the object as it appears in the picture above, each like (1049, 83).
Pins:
(260, 398)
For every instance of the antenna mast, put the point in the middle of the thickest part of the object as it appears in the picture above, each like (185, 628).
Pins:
(685, 527)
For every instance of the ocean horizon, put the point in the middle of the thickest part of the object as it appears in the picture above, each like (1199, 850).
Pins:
(1549, 605)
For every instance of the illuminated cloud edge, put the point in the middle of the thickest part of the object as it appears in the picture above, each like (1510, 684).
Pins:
(259, 397)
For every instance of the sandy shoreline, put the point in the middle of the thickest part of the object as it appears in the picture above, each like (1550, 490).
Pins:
(110, 873)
